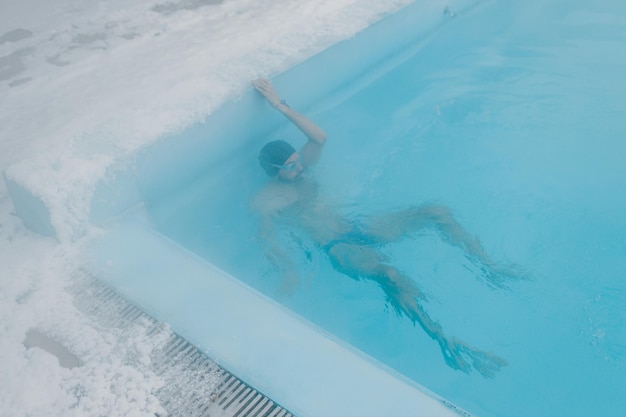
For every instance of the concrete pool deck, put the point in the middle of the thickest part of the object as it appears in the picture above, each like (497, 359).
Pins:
(193, 384)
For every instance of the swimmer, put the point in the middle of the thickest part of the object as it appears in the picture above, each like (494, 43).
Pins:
(353, 246)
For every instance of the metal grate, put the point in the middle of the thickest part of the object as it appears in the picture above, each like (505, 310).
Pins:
(195, 386)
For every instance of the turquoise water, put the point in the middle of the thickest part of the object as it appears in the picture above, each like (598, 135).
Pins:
(512, 115)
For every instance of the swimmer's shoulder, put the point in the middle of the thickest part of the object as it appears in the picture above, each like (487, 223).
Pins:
(274, 197)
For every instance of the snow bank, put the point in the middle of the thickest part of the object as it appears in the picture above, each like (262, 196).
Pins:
(113, 81)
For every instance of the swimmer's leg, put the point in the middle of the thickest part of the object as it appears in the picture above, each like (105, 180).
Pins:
(409, 222)
(364, 262)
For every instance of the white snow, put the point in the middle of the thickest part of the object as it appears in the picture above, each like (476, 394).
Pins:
(86, 83)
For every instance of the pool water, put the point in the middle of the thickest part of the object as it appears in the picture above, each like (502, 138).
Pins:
(513, 117)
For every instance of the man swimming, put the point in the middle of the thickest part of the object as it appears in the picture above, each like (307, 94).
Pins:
(353, 247)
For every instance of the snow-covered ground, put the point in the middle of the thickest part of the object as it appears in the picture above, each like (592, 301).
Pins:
(86, 83)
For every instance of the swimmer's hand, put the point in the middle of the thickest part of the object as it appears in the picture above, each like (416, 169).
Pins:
(266, 88)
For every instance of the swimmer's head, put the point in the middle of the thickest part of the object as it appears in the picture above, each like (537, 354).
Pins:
(274, 155)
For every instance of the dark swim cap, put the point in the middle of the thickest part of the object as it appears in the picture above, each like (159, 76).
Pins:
(274, 154)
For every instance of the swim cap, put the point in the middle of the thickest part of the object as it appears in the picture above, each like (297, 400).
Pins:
(274, 153)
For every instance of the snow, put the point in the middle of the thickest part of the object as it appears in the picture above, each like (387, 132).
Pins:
(84, 84)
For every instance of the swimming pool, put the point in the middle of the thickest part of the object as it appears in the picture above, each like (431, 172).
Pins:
(510, 115)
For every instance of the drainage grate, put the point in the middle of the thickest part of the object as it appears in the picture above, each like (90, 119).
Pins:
(194, 385)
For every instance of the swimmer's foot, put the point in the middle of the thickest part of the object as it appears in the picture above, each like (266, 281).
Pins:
(499, 276)
(458, 355)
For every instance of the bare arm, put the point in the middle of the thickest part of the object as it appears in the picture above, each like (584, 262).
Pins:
(266, 204)
(277, 257)
(315, 135)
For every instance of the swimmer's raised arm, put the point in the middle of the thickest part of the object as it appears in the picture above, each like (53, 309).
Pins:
(313, 132)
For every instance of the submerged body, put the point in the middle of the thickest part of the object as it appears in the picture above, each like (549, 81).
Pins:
(353, 245)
